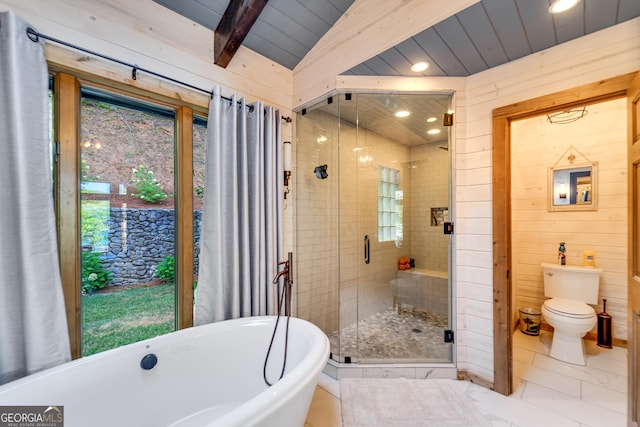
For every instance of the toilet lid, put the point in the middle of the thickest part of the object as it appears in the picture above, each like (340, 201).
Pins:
(569, 308)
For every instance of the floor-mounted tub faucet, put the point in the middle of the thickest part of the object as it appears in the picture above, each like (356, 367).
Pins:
(287, 272)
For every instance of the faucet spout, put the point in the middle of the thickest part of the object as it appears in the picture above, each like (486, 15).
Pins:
(287, 271)
(284, 272)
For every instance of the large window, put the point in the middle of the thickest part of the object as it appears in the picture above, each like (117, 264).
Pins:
(124, 187)
(127, 220)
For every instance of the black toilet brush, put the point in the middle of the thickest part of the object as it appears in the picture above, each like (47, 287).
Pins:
(604, 327)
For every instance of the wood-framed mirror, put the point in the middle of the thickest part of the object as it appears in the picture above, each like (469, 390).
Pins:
(573, 185)
(574, 188)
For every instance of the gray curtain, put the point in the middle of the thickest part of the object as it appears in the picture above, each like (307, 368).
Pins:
(241, 229)
(33, 324)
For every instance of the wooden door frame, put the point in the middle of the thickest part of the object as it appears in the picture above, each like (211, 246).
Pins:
(66, 94)
(633, 261)
(503, 322)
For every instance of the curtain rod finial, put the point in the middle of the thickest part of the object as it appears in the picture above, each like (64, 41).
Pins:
(32, 34)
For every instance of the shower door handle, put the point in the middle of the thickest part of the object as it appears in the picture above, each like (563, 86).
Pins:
(367, 249)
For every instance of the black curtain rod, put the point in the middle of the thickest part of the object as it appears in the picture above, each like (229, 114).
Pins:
(34, 36)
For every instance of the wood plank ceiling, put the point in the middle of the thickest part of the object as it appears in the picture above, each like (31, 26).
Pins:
(486, 34)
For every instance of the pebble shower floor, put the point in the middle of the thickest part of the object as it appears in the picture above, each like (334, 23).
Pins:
(389, 336)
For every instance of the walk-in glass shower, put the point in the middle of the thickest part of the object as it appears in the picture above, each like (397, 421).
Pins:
(372, 200)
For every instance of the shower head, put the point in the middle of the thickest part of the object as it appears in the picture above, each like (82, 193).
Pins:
(444, 147)
(321, 172)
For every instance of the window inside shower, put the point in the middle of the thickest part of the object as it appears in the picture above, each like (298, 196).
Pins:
(389, 205)
(373, 271)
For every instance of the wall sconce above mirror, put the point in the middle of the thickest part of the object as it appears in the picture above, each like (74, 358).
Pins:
(572, 183)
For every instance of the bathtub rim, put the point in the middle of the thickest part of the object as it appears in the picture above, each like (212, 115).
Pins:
(264, 403)
(294, 381)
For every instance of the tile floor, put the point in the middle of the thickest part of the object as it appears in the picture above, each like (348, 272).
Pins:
(547, 392)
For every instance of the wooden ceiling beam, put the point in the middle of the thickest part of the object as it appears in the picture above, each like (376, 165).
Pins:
(234, 27)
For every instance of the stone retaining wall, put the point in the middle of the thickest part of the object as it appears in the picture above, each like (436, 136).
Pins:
(141, 238)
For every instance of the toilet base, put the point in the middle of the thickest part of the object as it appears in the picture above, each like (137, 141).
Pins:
(569, 349)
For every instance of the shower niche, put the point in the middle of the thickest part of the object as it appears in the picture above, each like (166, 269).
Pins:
(385, 180)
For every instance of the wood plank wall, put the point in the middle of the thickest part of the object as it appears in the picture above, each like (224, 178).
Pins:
(145, 33)
(153, 37)
(593, 58)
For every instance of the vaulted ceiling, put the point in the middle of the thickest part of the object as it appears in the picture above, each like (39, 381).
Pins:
(484, 35)
(473, 36)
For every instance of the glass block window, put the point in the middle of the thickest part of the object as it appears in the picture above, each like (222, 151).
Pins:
(389, 205)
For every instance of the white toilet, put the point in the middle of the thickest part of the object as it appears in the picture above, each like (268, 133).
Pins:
(570, 288)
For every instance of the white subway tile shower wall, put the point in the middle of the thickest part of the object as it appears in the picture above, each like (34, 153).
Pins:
(429, 189)
(317, 223)
(366, 284)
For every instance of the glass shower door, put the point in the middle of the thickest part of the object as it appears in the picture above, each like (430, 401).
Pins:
(402, 199)
(384, 198)
(318, 259)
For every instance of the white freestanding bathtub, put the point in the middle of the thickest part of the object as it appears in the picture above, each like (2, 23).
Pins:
(209, 375)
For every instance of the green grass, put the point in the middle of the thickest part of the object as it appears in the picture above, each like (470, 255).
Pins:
(118, 318)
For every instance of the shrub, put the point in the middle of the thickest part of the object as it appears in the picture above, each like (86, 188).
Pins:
(166, 269)
(94, 275)
(147, 187)
(198, 187)
(199, 190)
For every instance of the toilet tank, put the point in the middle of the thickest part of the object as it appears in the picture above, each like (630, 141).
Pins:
(571, 282)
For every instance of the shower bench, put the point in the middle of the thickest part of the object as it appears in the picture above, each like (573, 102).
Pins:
(421, 289)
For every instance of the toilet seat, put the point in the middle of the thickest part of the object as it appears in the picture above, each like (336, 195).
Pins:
(569, 308)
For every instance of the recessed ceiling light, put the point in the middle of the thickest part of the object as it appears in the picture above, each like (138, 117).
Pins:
(321, 139)
(562, 5)
(402, 113)
(433, 131)
(419, 66)
(431, 119)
